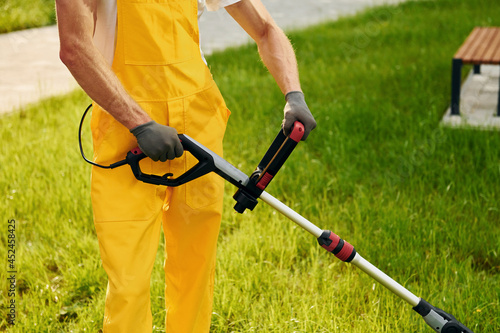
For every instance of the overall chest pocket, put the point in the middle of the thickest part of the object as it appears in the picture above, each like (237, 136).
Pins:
(159, 32)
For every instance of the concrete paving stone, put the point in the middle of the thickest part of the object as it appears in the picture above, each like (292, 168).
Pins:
(478, 101)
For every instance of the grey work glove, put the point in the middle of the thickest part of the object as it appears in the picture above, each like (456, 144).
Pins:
(158, 142)
(296, 109)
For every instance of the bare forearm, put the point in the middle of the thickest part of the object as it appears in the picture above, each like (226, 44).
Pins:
(97, 79)
(274, 47)
(279, 57)
(75, 20)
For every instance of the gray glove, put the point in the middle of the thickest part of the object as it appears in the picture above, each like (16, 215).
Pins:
(296, 109)
(158, 142)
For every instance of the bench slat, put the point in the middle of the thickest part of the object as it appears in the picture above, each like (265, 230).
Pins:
(496, 57)
(482, 48)
(480, 42)
(489, 55)
(469, 43)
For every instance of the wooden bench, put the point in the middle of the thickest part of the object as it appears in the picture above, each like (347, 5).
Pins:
(481, 47)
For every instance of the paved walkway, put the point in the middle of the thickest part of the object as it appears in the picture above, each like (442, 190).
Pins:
(29, 60)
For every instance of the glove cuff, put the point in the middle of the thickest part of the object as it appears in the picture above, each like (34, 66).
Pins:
(140, 128)
(292, 94)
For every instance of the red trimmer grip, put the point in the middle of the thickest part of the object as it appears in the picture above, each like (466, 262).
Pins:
(264, 181)
(336, 245)
(136, 151)
(298, 131)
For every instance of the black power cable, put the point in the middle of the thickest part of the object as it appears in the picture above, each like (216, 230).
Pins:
(114, 165)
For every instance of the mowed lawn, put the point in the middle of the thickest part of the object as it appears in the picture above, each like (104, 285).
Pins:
(419, 201)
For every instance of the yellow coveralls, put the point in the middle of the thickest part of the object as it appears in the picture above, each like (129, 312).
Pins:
(157, 58)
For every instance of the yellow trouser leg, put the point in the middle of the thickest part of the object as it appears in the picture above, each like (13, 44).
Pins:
(191, 240)
(128, 251)
(128, 217)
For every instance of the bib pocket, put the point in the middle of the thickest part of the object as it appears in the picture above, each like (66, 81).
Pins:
(159, 32)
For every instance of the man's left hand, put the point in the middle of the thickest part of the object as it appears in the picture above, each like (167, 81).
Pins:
(296, 110)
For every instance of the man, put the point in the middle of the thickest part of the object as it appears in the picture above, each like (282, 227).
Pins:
(140, 62)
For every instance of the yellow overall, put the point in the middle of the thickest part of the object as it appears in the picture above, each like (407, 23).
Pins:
(157, 58)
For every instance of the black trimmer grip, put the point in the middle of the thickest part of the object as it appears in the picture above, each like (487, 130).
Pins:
(277, 154)
(273, 160)
(205, 165)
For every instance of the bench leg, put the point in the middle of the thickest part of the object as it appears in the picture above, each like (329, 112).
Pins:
(456, 80)
(477, 69)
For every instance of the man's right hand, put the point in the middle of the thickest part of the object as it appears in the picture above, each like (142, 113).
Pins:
(158, 142)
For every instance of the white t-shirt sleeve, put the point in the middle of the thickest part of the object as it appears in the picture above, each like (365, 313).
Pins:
(213, 5)
(105, 29)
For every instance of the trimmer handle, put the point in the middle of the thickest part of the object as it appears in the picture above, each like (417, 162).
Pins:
(273, 160)
(208, 161)
(205, 165)
(277, 154)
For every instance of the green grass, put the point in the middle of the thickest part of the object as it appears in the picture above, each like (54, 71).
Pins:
(24, 14)
(418, 201)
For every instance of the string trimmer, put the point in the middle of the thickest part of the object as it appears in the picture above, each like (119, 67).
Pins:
(252, 188)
